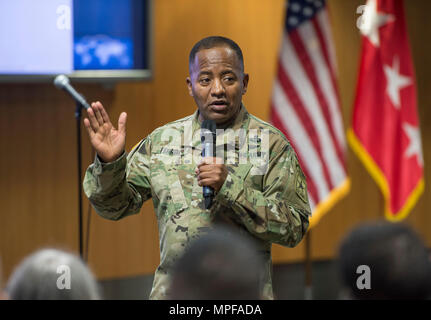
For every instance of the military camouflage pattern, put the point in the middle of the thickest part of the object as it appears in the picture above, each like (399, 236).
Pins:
(271, 205)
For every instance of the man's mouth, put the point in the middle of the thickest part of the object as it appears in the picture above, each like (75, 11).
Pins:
(219, 105)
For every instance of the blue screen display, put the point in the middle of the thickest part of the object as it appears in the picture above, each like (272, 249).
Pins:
(103, 34)
(62, 36)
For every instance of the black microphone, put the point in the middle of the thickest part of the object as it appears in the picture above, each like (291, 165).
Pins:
(208, 140)
(62, 82)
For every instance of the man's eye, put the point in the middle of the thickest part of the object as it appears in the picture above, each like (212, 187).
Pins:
(204, 80)
(229, 79)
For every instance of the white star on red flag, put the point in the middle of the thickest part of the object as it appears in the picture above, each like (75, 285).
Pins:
(395, 82)
(372, 20)
(415, 146)
(385, 130)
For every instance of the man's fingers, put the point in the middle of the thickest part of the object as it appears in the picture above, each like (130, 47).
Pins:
(105, 115)
(206, 182)
(92, 119)
(204, 175)
(207, 167)
(203, 167)
(122, 122)
(98, 113)
(88, 127)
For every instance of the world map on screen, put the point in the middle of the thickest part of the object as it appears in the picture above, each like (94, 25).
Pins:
(103, 52)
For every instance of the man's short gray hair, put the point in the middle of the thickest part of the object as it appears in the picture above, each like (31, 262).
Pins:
(36, 278)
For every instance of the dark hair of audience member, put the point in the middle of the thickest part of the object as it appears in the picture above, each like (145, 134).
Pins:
(218, 265)
(397, 258)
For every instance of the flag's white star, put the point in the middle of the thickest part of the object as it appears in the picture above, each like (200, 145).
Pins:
(372, 21)
(415, 146)
(395, 82)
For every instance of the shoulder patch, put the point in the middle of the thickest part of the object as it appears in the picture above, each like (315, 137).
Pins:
(301, 185)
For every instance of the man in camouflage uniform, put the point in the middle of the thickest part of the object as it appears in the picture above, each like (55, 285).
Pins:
(261, 190)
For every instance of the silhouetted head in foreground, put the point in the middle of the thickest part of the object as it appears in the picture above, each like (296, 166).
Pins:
(219, 265)
(51, 274)
(384, 260)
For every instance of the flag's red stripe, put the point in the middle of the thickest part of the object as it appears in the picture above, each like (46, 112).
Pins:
(311, 187)
(306, 122)
(308, 68)
(323, 46)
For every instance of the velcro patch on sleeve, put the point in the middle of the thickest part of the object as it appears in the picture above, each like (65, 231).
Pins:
(301, 186)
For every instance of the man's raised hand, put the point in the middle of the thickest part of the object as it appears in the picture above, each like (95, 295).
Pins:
(108, 142)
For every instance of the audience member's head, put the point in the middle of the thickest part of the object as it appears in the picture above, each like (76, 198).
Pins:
(398, 261)
(51, 274)
(219, 265)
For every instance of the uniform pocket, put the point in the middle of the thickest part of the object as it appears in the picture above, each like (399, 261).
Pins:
(165, 181)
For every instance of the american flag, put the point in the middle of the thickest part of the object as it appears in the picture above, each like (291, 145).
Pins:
(305, 103)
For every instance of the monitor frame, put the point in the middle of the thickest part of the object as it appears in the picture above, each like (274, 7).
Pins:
(98, 76)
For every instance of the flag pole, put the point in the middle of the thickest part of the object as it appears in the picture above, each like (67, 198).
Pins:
(308, 293)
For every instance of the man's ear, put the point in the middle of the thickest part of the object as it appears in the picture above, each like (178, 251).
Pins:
(189, 85)
(245, 83)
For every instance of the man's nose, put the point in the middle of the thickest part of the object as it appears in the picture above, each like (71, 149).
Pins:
(217, 88)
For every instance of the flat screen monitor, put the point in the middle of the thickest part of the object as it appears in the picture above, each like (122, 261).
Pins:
(94, 40)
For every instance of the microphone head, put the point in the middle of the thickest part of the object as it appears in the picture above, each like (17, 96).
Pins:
(208, 137)
(209, 125)
(61, 81)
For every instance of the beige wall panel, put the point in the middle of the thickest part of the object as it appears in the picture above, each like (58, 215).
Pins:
(38, 190)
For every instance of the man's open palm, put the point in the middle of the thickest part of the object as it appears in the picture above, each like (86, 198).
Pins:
(108, 142)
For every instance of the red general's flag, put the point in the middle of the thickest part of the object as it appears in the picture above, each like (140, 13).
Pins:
(305, 103)
(385, 130)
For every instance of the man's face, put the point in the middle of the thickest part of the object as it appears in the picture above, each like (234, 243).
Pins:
(217, 83)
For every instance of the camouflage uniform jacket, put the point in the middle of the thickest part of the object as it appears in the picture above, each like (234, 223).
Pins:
(271, 205)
